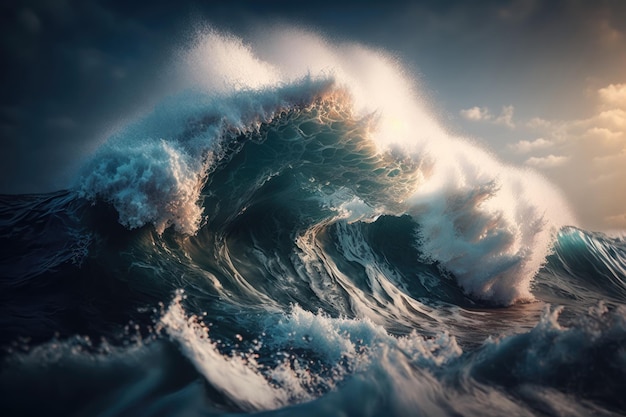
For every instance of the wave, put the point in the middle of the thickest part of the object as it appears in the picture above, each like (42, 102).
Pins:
(489, 225)
(585, 266)
(567, 359)
(313, 354)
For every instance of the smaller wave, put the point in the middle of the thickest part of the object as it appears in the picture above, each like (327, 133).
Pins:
(40, 233)
(74, 377)
(304, 354)
(585, 359)
(584, 261)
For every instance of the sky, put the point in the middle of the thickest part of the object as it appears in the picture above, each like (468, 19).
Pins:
(541, 84)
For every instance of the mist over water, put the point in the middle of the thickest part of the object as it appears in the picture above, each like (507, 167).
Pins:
(292, 230)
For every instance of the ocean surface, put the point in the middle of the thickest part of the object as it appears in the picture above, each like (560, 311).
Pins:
(296, 235)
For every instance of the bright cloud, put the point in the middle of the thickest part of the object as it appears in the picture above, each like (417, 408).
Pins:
(476, 114)
(526, 146)
(602, 133)
(550, 161)
(614, 95)
(482, 114)
(586, 158)
(506, 117)
(614, 118)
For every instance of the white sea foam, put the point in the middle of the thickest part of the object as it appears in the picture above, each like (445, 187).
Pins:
(236, 377)
(489, 224)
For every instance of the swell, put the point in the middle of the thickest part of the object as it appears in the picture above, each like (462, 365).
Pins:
(585, 267)
(68, 268)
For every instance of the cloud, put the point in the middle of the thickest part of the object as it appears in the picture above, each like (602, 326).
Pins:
(526, 146)
(550, 161)
(506, 117)
(482, 114)
(604, 134)
(613, 95)
(476, 114)
(538, 123)
(613, 118)
(587, 158)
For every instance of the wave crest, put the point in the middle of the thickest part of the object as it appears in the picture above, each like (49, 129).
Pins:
(153, 171)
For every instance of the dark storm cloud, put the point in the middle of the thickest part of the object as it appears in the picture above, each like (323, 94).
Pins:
(68, 66)
(72, 67)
